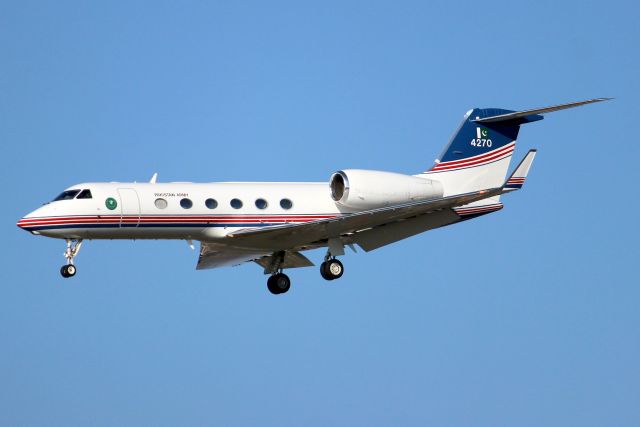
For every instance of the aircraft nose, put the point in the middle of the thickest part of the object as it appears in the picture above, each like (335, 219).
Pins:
(23, 223)
(26, 221)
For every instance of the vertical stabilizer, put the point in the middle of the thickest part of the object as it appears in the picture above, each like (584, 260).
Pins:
(478, 155)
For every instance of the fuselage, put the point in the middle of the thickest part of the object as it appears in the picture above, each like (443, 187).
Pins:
(197, 211)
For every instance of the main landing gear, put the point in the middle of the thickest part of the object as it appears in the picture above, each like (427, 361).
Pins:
(278, 283)
(331, 269)
(73, 247)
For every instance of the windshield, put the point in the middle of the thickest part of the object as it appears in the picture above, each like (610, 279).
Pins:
(67, 195)
(84, 194)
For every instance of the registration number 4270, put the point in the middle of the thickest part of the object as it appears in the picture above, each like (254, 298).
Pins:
(481, 142)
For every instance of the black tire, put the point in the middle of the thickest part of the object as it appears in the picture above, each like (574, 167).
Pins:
(334, 269)
(283, 283)
(271, 285)
(68, 270)
(323, 272)
(279, 283)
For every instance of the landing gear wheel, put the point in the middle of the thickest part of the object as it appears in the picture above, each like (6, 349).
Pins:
(73, 247)
(278, 283)
(271, 286)
(323, 271)
(68, 270)
(331, 269)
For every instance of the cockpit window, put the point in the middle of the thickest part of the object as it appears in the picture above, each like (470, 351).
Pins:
(67, 195)
(84, 194)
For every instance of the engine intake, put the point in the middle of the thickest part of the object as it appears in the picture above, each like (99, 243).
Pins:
(367, 189)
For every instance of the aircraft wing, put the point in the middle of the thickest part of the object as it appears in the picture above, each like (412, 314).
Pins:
(287, 236)
(364, 228)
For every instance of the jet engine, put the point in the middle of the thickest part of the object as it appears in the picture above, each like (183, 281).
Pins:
(367, 189)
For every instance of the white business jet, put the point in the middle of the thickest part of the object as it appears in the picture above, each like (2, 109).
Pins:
(272, 223)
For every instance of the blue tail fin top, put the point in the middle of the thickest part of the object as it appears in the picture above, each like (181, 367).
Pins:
(473, 139)
(488, 134)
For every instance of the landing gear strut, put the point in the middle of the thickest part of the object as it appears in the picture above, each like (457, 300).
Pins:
(73, 247)
(278, 283)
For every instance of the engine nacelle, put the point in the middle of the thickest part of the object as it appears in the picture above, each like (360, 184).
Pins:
(366, 189)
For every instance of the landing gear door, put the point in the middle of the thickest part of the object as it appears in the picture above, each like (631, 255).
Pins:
(129, 207)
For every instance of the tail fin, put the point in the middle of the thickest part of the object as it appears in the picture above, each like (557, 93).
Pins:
(479, 153)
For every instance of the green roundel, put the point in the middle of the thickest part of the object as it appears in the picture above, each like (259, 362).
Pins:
(111, 203)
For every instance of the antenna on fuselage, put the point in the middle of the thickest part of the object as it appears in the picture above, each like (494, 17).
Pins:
(154, 178)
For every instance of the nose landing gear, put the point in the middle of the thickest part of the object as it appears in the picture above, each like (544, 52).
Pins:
(73, 247)
(68, 270)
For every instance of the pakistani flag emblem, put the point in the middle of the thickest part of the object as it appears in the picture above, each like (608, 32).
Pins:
(482, 133)
(111, 203)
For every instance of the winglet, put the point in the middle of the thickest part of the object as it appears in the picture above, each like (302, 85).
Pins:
(517, 178)
(154, 178)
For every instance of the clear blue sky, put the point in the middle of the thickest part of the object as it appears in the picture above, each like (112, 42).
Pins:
(525, 317)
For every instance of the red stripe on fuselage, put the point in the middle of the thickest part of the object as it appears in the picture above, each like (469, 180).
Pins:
(469, 163)
(479, 156)
(113, 219)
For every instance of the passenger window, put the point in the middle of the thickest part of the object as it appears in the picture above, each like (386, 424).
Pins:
(236, 203)
(211, 203)
(286, 204)
(67, 195)
(186, 203)
(261, 204)
(84, 194)
(161, 203)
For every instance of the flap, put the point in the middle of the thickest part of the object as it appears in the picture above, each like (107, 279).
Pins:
(214, 255)
(289, 260)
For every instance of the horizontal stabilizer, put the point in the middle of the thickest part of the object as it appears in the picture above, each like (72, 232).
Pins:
(519, 175)
(526, 113)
